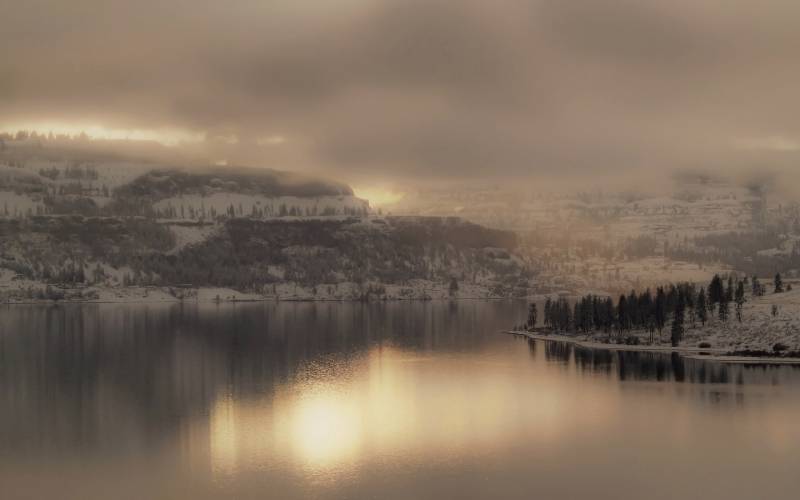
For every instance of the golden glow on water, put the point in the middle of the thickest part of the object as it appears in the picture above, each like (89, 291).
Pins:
(315, 405)
(394, 404)
(325, 428)
(223, 444)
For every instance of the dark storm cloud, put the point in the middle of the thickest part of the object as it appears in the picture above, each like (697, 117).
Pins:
(440, 89)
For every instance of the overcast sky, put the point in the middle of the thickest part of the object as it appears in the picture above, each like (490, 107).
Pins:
(383, 90)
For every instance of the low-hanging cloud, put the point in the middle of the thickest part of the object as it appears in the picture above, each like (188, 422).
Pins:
(406, 89)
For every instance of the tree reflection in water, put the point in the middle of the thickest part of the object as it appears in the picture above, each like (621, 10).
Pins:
(661, 367)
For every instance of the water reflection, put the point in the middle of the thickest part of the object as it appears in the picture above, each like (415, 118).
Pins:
(390, 400)
(632, 365)
(84, 377)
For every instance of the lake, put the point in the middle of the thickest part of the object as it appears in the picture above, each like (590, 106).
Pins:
(398, 400)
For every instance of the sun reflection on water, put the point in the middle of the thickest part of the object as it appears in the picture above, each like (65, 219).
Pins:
(325, 427)
(391, 404)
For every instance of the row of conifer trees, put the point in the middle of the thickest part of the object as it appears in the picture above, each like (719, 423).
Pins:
(648, 311)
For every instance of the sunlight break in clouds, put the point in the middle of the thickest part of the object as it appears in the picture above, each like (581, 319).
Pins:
(166, 136)
(380, 91)
(379, 196)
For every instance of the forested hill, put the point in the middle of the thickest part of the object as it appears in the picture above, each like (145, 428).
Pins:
(43, 179)
(73, 218)
(355, 257)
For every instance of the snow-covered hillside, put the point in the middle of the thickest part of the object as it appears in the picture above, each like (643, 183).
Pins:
(37, 179)
(770, 328)
(691, 209)
(195, 206)
(319, 258)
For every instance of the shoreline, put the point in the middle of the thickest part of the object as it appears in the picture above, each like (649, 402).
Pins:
(34, 292)
(701, 353)
(144, 300)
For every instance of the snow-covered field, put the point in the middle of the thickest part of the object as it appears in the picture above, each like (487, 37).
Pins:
(759, 329)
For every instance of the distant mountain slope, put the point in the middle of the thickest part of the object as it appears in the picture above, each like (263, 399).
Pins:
(247, 254)
(167, 182)
(45, 179)
(689, 209)
(337, 258)
(75, 221)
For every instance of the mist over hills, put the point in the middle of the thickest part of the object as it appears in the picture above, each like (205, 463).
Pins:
(77, 215)
(93, 226)
(43, 177)
(607, 240)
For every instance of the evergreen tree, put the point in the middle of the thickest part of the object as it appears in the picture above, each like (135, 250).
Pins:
(739, 301)
(691, 300)
(548, 315)
(608, 316)
(645, 313)
(778, 283)
(724, 308)
(729, 292)
(597, 313)
(660, 310)
(622, 313)
(632, 310)
(701, 309)
(677, 321)
(565, 316)
(532, 316)
(715, 291)
(672, 299)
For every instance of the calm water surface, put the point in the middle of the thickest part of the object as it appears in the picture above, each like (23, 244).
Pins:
(389, 401)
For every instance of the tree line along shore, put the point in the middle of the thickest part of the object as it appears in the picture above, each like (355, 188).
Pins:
(714, 313)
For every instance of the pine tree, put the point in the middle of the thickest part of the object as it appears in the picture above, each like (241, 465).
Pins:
(677, 321)
(608, 314)
(715, 291)
(532, 316)
(729, 292)
(739, 301)
(548, 315)
(701, 309)
(724, 308)
(622, 313)
(691, 300)
(778, 283)
(660, 312)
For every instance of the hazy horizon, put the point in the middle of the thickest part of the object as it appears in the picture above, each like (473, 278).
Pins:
(388, 94)
(399, 249)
